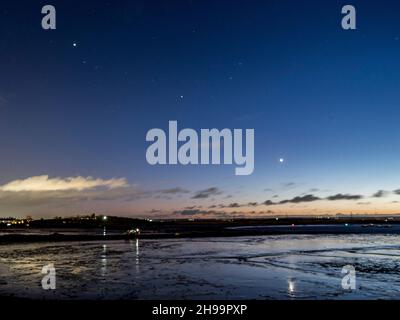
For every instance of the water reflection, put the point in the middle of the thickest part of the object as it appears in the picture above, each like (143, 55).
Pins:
(134, 244)
(291, 287)
(103, 269)
(137, 256)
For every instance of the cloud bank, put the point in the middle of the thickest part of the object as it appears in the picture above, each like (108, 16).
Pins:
(44, 183)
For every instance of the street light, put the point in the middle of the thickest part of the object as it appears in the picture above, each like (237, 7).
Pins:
(104, 227)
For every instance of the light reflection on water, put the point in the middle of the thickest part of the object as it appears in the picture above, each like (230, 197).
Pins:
(134, 244)
(274, 267)
(104, 261)
(291, 287)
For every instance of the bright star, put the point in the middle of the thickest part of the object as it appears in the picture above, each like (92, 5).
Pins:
(281, 160)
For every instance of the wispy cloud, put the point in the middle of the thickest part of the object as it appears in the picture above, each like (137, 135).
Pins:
(176, 190)
(199, 212)
(341, 196)
(234, 205)
(311, 198)
(289, 185)
(206, 193)
(299, 199)
(380, 194)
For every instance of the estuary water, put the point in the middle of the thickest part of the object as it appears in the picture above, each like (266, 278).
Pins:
(258, 267)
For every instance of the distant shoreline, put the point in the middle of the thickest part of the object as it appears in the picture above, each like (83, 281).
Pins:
(236, 231)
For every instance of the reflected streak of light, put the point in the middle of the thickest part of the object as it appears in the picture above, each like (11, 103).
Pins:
(137, 256)
(104, 260)
(291, 286)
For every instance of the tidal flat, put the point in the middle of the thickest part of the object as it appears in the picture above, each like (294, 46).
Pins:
(255, 267)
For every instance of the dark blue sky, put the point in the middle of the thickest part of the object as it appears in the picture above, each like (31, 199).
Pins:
(324, 99)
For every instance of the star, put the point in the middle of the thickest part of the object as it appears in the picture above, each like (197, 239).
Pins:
(74, 44)
(281, 160)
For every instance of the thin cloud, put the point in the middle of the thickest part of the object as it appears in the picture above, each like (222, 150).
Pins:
(176, 190)
(289, 185)
(300, 199)
(154, 211)
(269, 203)
(380, 194)
(206, 193)
(341, 196)
(195, 212)
(189, 212)
(190, 207)
(311, 198)
(234, 205)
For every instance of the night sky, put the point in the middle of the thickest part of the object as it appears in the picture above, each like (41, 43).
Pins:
(76, 104)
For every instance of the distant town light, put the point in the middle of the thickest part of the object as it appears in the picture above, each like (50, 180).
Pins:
(135, 231)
